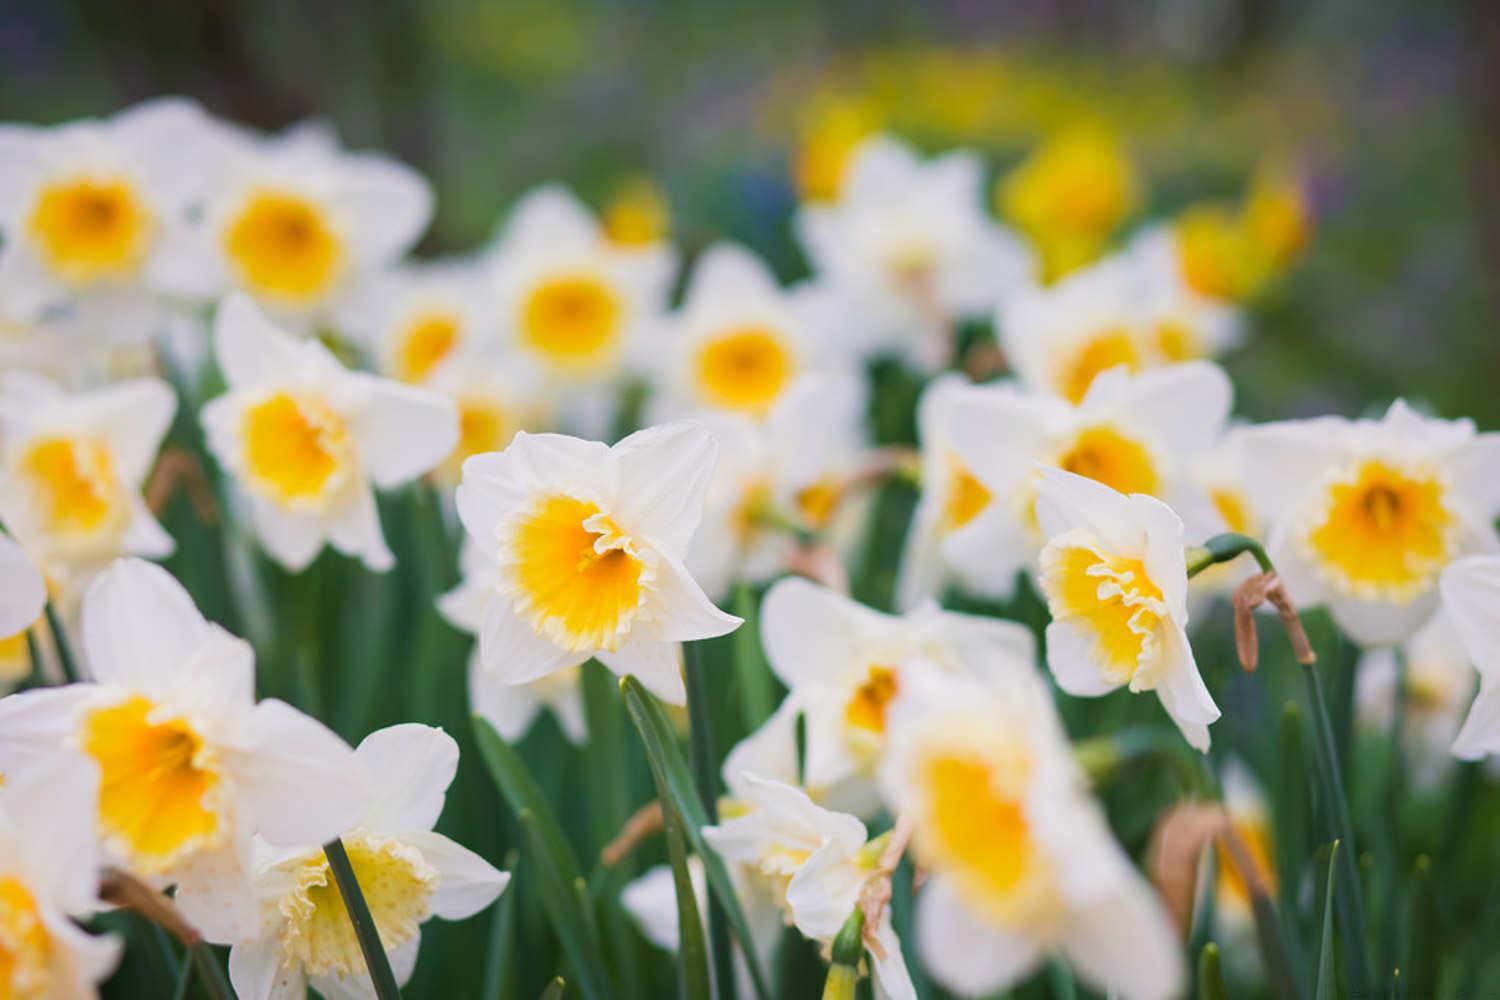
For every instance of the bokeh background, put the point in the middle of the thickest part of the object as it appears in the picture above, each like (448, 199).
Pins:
(1389, 110)
(1392, 109)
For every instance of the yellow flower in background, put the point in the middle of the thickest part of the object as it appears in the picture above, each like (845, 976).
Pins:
(189, 765)
(1070, 195)
(1277, 218)
(586, 544)
(308, 441)
(418, 320)
(50, 865)
(1115, 578)
(637, 213)
(1251, 820)
(1021, 863)
(831, 129)
(407, 873)
(1366, 514)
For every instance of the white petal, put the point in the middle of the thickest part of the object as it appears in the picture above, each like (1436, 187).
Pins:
(302, 784)
(51, 805)
(656, 664)
(404, 431)
(664, 472)
(825, 891)
(134, 416)
(550, 214)
(1073, 661)
(808, 630)
(966, 955)
(141, 629)
(1480, 735)
(1471, 598)
(410, 767)
(249, 347)
(256, 973)
(292, 538)
(356, 531)
(1182, 406)
(466, 882)
(215, 895)
(729, 271)
(683, 610)
(513, 652)
(23, 593)
(1183, 693)
(1126, 944)
(1066, 501)
(390, 203)
(510, 708)
(892, 980)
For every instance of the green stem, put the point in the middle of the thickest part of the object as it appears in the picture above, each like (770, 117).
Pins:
(64, 650)
(706, 777)
(376, 961)
(1395, 792)
(848, 950)
(1223, 548)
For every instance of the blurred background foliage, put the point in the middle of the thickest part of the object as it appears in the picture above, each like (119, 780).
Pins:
(1390, 110)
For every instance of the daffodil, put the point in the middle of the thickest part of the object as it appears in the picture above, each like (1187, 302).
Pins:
(637, 214)
(74, 466)
(1115, 577)
(651, 901)
(587, 542)
(296, 223)
(407, 874)
(50, 864)
(306, 440)
(93, 211)
(418, 321)
(1365, 514)
(833, 129)
(1471, 593)
(21, 601)
(740, 341)
(981, 447)
(817, 860)
(1021, 864)
(189, 766)
(1223, 477)
(1251, 822)
(845, 664)
(1439, 685)
(567, 297)
(1070, 194)
(1110, 315)
(792, 472)
(510, 708)
(910, 247)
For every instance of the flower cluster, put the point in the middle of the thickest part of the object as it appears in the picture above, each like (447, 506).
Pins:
(226, 334)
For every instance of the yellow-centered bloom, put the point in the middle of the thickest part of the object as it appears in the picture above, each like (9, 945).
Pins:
(1366, 514)
(586, 543)
(1471, 595)
(1115, 578)
(407, 874)
(307, 440)
(637, 214)
(188, 765)
(1021, 864)
(74, 467)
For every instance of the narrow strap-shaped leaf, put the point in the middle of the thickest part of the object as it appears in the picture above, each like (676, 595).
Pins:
(376, 961)
(692, 948)
(706, 777)
(552, 861)
(757, 685)
(63, 647)
(499, 956)
(1324, 989)
(671, 772)
(554, 990)
(1210, 975)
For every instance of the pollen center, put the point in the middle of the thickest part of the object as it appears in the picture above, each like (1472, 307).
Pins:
(1386, 532)
(1111, 598)
(1112, 348)
(425, 343)
(1105, 455)
(91, 229)
(283, 248)
(966, 497)
(75, 487)
(581, 581)
(296, 448)
(158, 791)
(572, 321)
(977, 827)
(25, 946)
(867, 707)
(745, 369)
(397, 883)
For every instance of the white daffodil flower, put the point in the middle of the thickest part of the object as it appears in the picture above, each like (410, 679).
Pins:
(910, 245)
(495, 398)
(1060, 338)
(1439, 687)
(1021, 863)
(1366, 513)
(567, 297)
(981, 447)
(406, 872)
(510, 708)
(50, 864)
(740, 341)
(1115, 577)
(651, 901)
(844, 664)
(418, 320)
(74, 466)
(588, 542)
(1471, 596)
(817, 862)
(295, 222)
(1251, 819)
(1223, 476)
(23, 595)
(190, 766)
(794, 469)
(93, 210)
(306, 439)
